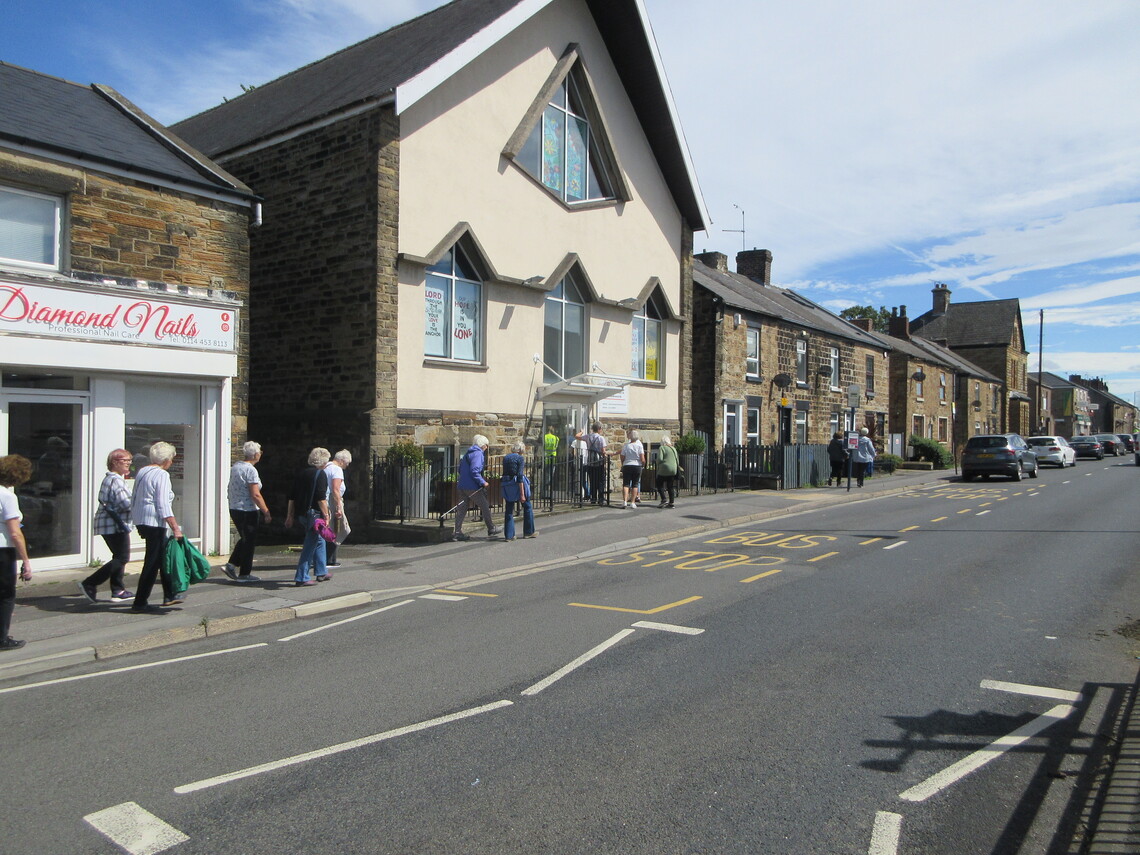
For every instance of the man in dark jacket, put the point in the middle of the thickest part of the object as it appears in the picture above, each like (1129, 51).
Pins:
(837, 454)
(473, 488)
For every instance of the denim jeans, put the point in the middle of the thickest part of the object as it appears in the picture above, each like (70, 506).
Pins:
(528, 519)
(313, 551)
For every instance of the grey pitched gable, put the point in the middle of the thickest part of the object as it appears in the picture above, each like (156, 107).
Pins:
(988, 323)
(51, 117)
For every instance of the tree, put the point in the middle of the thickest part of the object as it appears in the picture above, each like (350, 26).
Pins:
(880, 318)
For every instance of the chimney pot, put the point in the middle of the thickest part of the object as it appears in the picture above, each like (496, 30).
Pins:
(716, 260)
(756, 264)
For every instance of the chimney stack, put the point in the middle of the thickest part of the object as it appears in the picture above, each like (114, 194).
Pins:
(756, 264)
(899, 324)
(865, 324)
(716, 260)
(941, 298)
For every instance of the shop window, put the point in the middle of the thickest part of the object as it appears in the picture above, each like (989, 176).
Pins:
(30, 228)
(453, 302)
(564, 332)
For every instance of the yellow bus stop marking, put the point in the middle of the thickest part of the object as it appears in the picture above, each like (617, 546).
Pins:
(638, 611)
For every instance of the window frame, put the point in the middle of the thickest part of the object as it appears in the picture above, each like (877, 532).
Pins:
(557, 297)
(869, 375)
(449, 298)
(58, 202)
(801, 363)
(647, 318)
(751, 337)
(833, 357)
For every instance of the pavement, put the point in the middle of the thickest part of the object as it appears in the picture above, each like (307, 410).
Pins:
(62, 628)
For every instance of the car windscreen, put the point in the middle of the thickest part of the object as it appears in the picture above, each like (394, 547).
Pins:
(1041, 440)
(987, 442)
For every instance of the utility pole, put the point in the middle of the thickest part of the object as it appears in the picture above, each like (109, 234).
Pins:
(1040, 352)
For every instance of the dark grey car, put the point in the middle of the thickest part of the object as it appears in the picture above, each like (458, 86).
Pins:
(998, 454)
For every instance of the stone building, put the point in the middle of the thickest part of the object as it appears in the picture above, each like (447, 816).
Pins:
(770, 366)
(1109, 413)
(990, 335)
(124, 262)
(1069, 413)
(479, 221)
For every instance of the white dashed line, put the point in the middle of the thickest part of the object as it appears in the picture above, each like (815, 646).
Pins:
(346, 620)
(1035, 691)
(894, 545)
(668, 627)
(134, 829)
(885, 835)
(577, 663)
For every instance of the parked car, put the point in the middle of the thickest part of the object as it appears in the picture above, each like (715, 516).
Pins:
(1129, 442)
(1111, 444)
(998, 454)
(1053, 449)
(1087, 446)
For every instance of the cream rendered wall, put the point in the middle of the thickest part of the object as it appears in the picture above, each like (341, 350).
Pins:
(451, 171)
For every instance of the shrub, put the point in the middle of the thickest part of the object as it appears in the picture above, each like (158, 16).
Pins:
(932, 450)
(691, 443)
(888, 462)
(404, 452)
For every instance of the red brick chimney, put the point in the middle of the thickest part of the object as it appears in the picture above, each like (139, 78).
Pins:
(865, 324)
(899, 324)
(715, 260)
(756, 264)
(941, 298)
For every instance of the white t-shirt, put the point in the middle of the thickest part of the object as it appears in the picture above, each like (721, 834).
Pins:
(9, 510)
(631, 453)
(333, 470)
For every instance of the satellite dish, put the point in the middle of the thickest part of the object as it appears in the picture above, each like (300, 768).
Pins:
(783, 380)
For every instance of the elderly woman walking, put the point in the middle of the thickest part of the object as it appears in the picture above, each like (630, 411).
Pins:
(152, 514)
(473, 488)
(516, 488)
(112, 523)
(334, 469)
(247, 506)
(667, 466)
(14, 471)
(308, 502)
(863, 455)
(632, 462)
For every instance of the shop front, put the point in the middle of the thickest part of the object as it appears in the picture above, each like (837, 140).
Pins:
(85, 370)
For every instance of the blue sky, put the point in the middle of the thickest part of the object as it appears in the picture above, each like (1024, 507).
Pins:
(875, 148)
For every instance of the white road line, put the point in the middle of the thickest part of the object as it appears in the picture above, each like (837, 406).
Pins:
(450, 598)
(134, 829)
(346, 620)
(577, 663)
(337, 749)
(952, 774)
(895, 545)
(885, 835)
(668, 627)
(982, 513)
(1035, 691)
(130, 668)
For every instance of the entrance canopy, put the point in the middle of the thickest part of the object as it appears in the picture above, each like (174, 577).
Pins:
(585, 389)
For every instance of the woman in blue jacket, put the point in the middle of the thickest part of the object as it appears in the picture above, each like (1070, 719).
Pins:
(473, 488)
(516, 488)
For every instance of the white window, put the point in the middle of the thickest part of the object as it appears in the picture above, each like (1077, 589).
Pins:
(801, 426)
(834, 365)
(30, 225)
(801, 362)
(646, 363)
(453, 302)
(752, 429)
(942, 388)
(564, 333)
(752, 359)
(918, 387)
(563, 152)
(731, 424)
(832, 426)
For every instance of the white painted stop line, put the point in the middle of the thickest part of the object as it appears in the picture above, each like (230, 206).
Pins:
(885, 835)
(135, 829)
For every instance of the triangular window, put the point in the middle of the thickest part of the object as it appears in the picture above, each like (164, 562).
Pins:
(562, 143)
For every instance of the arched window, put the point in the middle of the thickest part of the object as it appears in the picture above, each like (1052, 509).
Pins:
(564, 333)
(647, 340)
(453, 307)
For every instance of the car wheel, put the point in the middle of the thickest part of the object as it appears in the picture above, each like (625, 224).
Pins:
(1018, 474)
(1033, 471)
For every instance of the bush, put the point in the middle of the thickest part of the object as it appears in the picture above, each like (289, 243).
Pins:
(932, 450)
(691, 443)
(404, 452)
(888, 462)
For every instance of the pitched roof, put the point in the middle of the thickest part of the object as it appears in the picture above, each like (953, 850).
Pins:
(401, 64)
(740, 292)
(931, 351)
(1050, 380)
(984, 323)
(97, 127)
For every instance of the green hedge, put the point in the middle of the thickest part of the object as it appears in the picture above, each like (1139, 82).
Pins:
(932, 450)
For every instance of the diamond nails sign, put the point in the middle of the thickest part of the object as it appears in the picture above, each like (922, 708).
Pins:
(114, 317)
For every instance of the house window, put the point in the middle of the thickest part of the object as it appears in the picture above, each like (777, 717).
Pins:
(869, 378)
(562, 151)
(752, 359)
(832, 425)
(917, 426)
(942, 388)
(30, 226)
(943, 430)
(801, 426)
(801, 362)
(977, 396)
(453, 302)
(564, 333)
(752, 428)
(918, 384)
(833, 363)
(647, 343)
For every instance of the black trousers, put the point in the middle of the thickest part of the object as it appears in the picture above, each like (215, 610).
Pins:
(667, 485)
(7, 588)
(246, 524)
(837, 467)
(155, 539)
(595, 474)
(120, 545)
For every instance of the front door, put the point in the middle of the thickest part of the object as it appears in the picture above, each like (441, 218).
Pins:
(51, 431)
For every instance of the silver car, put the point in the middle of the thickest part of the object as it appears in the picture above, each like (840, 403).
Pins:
(1053, 449)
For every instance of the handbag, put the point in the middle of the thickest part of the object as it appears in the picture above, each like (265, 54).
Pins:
(324, 529)
(343, 529)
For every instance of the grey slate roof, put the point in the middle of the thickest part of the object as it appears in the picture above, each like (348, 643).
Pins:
(371, 70)
(95, 125)
(985, 323)
(1051, 381)
(931, 351)
(740, 292)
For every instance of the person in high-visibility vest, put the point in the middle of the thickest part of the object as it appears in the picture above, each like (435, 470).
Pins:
(550, 445)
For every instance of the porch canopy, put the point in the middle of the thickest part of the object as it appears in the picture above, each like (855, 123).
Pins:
(585, 389)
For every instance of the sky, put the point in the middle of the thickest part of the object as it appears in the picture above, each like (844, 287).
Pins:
(876, 148)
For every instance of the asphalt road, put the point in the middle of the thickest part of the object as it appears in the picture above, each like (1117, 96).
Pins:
(928, 673)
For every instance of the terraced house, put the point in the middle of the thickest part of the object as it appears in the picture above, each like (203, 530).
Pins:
(479, 221)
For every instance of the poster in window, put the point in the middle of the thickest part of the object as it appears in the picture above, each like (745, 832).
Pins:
(553, 148)
(435, 316)
(465, 328)
(652, 350)
(578, 133)
(636, 347)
